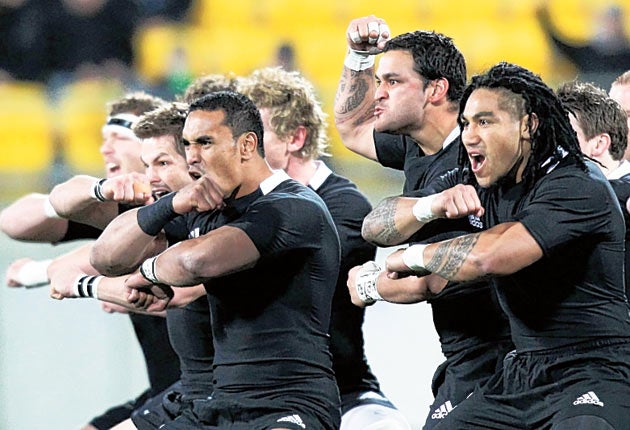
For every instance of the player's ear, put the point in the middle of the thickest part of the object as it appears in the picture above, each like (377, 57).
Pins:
(298, 139)
(439, 89)
(248, 144)
(529, 124)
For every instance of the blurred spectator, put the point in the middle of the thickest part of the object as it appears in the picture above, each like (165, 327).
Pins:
(601, 59)
(285, 57)
(23, 43)
(92, 37)
(164, 10)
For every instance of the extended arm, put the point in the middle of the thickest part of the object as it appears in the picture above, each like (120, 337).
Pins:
(501, 250)
(395, 219)
(354, 100)
(94, 201)
(32, 218)
(67, 271)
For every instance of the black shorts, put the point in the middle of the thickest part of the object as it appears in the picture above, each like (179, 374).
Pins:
(541, 390)
(309, 406)
(120, 413)
(360, 398)
(162, 409)
(457, 377)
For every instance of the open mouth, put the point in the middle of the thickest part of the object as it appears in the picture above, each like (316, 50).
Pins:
(194, 174)
(112, 169)
(477, 161)
(159, 193)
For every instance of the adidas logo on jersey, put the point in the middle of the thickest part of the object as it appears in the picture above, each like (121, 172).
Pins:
(589, 398)
(295, 419)
(475, 221)
(194, 233)
(442, 411)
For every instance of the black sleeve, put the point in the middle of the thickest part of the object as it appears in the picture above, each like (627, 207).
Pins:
(78, 231)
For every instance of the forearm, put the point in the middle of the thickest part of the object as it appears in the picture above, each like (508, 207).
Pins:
(410, 289)
(122, 246)
(391, 222)
(502, 250)
(217, 253)
(75, 200)
(28, 219)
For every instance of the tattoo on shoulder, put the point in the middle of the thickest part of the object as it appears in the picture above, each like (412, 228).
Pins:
(451, 255)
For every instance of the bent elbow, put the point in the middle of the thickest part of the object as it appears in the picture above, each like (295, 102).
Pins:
(487, 264)
(104, 264)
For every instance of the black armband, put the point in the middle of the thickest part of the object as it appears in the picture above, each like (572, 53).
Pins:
(152, 218)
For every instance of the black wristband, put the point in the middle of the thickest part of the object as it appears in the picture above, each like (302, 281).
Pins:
(152, 218)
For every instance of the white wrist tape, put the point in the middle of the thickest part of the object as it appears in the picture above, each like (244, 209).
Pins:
(422, 209)
(365, 283)
(148, 270)
(413, 257)
(358, 61)
(34, 274)
(87, 286)
(49, 210)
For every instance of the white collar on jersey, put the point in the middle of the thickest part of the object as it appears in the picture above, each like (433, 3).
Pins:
(621, 170)
(321, 174)
(451, 137)
(273, 181)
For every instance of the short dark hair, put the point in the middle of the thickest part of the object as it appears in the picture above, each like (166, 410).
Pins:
(167, 120)
(435, 56)
(241, 114)
(596, 113)
(553, 135)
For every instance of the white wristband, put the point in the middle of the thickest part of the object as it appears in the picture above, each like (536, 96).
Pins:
(357, 61)
(34, 274)
(413, 257)
(49, 210)
(147, 269)
(422, 209)
(365, 283)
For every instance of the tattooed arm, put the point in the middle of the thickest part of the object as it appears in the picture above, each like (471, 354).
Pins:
(501, 250)
(354, 100)
(395, 219)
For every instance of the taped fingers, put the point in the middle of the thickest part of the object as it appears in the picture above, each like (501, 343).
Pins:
(355, 37)
(373, 28)
(383, 33)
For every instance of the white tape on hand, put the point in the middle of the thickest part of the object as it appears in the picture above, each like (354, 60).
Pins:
(34, 274)
(422, 209)
(365, 283)
(49, 210)
(383, 29)
(358, 61)
(413, 257)
(355, 37)
(373, 27)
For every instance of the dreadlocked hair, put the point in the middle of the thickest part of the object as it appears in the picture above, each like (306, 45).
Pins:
(554, 133)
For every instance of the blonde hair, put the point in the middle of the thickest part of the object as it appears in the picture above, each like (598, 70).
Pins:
(207, 84)
(292, 103)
